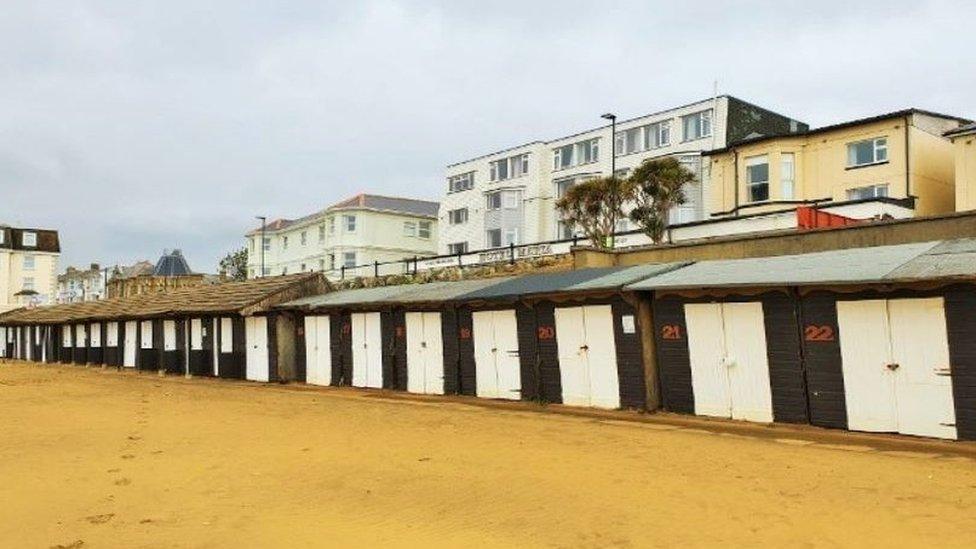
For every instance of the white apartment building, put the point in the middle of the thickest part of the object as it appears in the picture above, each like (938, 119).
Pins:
(28, 266)
(508, 197)
(347, 238)
(76, 285)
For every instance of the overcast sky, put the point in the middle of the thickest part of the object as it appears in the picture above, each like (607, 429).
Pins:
(136, 126)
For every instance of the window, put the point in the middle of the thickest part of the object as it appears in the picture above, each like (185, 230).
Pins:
(350, 221)
(332, 225)
(629, 141)
(757, 178)
(462, 182)
(284, 243)
(865, 153)
(266, 271)
(458, 217)
(509, 168)
(409, 228)
(787, 175)
(2, 235)
(267, 243)
(698, 125)
(493, 238)
(657, 135)
(303, 267)
(284, 270)
(332, 261)
(321, 233)
(28, 262)
(349, 259)
(493, 201)
(321, 264)
(584, 152)
(563, 185)
(423, 231)
(457, 248)
(251, 242)
(28, 239)
(870, 191)
(28, 283)
(304, 237)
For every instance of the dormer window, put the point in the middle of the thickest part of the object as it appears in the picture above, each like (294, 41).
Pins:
(29, 239)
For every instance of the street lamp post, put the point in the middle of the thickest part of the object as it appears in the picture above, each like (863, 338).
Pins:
(264, 222)
(613, 175)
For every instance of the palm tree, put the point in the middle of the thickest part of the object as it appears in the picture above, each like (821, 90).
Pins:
(592, 206)
(657, 186)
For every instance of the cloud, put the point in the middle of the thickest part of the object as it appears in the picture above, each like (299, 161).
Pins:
(137, 126)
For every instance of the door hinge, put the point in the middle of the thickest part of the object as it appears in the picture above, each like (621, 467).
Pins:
(947, 424)
(892, 366)
(947, 371)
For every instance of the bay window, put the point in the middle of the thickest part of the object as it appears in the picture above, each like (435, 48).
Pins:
(757, 178)
(509, 168)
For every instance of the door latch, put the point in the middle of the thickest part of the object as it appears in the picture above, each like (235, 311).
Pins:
(893, 366)
(584, 347)
(947, 371)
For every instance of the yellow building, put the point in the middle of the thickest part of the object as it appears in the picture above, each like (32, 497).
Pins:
(897, 164)
(28, 266)
(964, 145)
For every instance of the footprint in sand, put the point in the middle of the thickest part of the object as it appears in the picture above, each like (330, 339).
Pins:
(123, 482)
(134, 437)
(128, 456)
(113, 470)
(73, 545)
(100, 519)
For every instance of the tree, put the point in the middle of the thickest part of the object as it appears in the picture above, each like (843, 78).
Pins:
(234, 264)
(593, 206)
(657, 186)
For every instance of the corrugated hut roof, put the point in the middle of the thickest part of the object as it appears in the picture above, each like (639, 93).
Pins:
(431, 292)
(938, 260)
(581, 280)
(227, 298)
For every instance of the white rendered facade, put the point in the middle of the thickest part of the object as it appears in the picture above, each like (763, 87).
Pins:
(28, 267)
(532, 177)
(353, 234)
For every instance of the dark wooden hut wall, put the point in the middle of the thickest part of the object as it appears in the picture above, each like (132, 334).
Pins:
(528, 350)
(399, 351)
(388, 343)
(822, 360)
(960, 310)
(630, 364)
(449, 337)
(783, 354)
(550, 382)
(467, 377)
(674, 361)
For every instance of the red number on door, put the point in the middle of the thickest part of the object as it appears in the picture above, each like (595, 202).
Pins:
(399, 332)
(814, 332)
(346, 329)
(671, 332)
(465, 333)
(547, 332)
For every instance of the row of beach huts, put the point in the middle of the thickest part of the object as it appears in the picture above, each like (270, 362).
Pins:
(878, 339)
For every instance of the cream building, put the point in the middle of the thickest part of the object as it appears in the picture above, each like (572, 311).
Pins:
(508, 197)
(28, 266)
(347, 238)
(896, 164)
(964, 145)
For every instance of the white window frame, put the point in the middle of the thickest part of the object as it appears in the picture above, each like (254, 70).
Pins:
(410, 229)
(460, 182)
(321, 233)
(510, 237)
(752, 161)
(510, 200)
(28, 283)
(349, 260)
(878, 144)
(515, 166)
(28, 239)
(787, 176)
(30, 262)
(490, 198)
(424, 230)
(703, 124)
(267, 243)
(488, 239)
(458, 216)
(284, 242)
(879, 190)
(303, 238)
(455, 248)
(349, 223)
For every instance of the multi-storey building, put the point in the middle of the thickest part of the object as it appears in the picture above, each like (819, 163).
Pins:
(897, 164)
(509, 197)
(964, 145)
(76, 285)
(346, 238)
(28, 266)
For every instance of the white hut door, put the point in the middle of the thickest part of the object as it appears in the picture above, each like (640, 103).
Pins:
(507, 357)
(570, 340)
(129, 345)
(95, 340)
(706, 350)
(146, 334)
(486, 370)
(416, 360)
(601, 356)
(256, 340)
(747, 362)
(865, 349)
(81, 339)
(433, 349)
(169, 335)
(318, 360)
(196, 334)
(112, 334)
(920, 348)
(367, 347)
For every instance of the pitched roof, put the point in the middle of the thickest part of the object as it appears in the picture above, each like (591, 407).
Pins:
(244, 297)
(581, 280)
(375, 202)
(172, 264)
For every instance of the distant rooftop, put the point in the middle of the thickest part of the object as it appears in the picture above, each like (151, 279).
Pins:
(172, 264)
(363, 201)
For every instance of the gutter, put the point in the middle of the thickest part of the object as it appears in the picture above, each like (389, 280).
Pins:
(908, 169)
